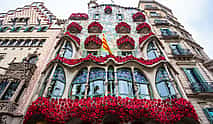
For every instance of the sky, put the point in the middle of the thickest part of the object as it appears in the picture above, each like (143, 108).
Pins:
(194, 15)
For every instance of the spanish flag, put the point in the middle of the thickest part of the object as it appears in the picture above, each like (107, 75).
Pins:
(105, 45)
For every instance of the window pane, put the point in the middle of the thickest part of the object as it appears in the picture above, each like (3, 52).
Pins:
(78, 89)
(3, 84)
(143, 89)
(58, 89)
(124, 74)
(81, 76)
(96, 88)
(162, 89)
(123, 87)
(10, 91)
(171, 88)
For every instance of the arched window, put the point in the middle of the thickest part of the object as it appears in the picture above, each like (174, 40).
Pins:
(57, 83)
(125, 85)
(142, 85)
(66, 51)
(96, 82)
(164, 85)
(111, 79)
(33, 59)
(151, 51)
(78, 84)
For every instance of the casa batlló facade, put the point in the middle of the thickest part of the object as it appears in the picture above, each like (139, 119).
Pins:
(113, 64)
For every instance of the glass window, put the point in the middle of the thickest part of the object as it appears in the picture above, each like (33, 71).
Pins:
(94, 53)
(19, 42)
(96, 16)
(78, 84)
(209, 114)
(119, 17)
(96, 82)
(125, 84)
(4, 43)
(111, 85)
(12, 42)
(164, 85)
(57, 83)
(10, 91)
(27, 43)
(142, 84)
(67, 51)
(33, 59)
(3, 85)
(126, 53)
(151, 51)
(154, 14)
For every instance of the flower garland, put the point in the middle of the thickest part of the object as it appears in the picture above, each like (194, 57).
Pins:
(93, 109)
(126, 39)
(122, 24)
(74, 25)
(103, 60)
(138, 17)
(95, 24)
(76, 39)
(144, 38)
(78, 16)
(93, 38)
(141, 26)
(108, 10)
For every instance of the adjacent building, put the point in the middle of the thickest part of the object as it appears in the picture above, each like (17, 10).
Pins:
(130, 62)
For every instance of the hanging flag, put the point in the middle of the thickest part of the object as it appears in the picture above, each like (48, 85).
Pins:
(105, 45)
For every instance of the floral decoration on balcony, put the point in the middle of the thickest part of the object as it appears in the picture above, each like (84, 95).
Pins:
(103, 60)
(73, 37)
(123, 27)
(143, 28)
(108, 10)
(95, 27)
(145, 38)
(93, 42)
(74, 27)
(78, 16)
(139, 17)
(92, 110)
(126, 42)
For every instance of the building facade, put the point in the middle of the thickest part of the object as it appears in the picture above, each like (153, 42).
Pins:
(113, 60)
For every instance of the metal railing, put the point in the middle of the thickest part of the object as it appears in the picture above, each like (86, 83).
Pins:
(202, 87)
(184, 52)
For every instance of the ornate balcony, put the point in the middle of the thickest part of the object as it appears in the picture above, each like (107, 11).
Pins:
(170, 35)
(203, 87)
(161, 22)
(7, 107)
(182, 53)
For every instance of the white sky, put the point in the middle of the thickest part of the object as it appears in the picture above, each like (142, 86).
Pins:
(195, 15)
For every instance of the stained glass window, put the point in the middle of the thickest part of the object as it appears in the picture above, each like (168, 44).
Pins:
(58, 83)
(151, 51)
(164, 85)
(142, 84)
(125, 82)
(96, 82)
(78, 84)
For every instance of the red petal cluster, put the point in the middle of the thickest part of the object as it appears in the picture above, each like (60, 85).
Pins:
(93, 110)
(126, 39)
(93, 38)
(139, 16)
(144, 38)
(78, 16)
(75, 25)
(122, 24)
(142, 25)
(96, 24)
(108, 9)
(101, 59)
(76, 39)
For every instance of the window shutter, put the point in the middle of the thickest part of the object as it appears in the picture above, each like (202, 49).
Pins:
(199, 75)
(188, 75)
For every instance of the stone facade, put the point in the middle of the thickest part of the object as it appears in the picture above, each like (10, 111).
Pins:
(152, 57)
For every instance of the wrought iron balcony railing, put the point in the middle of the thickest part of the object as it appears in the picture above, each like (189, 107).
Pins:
(161, 22)
(170, 35)
(202, 87)
(182, 52)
